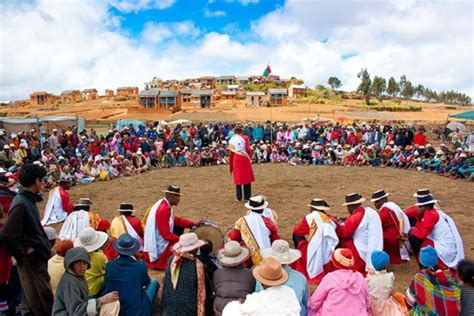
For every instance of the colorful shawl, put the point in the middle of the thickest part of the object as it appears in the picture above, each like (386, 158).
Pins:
(434, 293)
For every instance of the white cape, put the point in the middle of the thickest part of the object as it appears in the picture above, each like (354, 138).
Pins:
(321, 245)
(447, 241)
(54, 212)
(404, 254)
(259, 230)
(74, 224)
(154, 243)
(368, 237)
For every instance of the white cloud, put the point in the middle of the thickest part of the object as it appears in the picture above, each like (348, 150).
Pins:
(54, 46)
(157, 32)
(127, 6)
(214, 14)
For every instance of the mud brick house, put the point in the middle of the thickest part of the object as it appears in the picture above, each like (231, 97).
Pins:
(70, 96)
(296, 91)
(255, 99)
(186, 95)
(109, 93)
(42, 98)
(229, 95)
(243, 80)
(89, 94)
(277, 97)
(203, 98)
(208, 81)
(127, 91)
(158, 99)
(226, 80)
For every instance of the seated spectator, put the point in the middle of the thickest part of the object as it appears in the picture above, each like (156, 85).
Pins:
(381, 287)
(341, 292)
(296, 281)
(184, 283)
(433, 291)
(129, 277)
(466, 274)
(72, 297)
(94, 241)
(234, 281)
(56, 263)
(275, 299)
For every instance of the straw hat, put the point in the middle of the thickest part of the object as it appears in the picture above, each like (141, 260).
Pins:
(353, 198)
(270, 272)
(377, 195)
(233, 254)
(319, 204)
(91, 239)
(280, 249)
(187, 242)
(256, 203)
(173, 190)
(421, 192)
(126, 207)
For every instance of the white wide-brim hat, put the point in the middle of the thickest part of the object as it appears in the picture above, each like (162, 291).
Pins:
(91, 239)
(256, 203)
(281, 250)
(233, 254)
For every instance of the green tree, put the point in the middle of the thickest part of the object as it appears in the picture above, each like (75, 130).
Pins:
(393, 88)
(364, 87)
(334, 82)
(320, 87)
(379, 85)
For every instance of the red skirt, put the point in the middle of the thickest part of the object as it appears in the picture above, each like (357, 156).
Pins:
(300, 264)
(242, 170)
(162, 262)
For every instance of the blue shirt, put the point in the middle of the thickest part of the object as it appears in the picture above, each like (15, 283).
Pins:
(297, 282)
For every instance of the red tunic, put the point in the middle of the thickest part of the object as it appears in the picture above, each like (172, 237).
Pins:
(66, 201)
(241, 166)
(110, 252)
(301, 230)
(346, 232)
(235, 235)
(423, 227)
(391, 233)
(162, 218)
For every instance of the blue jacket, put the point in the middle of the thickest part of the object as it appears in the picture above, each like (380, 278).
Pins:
(128, 276)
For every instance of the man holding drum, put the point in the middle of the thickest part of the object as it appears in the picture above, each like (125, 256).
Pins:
(162, 229)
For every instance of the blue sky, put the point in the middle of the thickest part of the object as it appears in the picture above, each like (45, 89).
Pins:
(232, 16)
(79, 44)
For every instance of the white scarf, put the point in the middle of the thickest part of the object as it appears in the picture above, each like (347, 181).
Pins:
(368, 237)
(321, 245)
(76, 222)
(132, 231)
(54, 212)
(259, 230)
(447, 241)
(237, 143)
(154, 243)
(404, 254)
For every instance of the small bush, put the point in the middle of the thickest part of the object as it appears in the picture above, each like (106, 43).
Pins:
(450, 107)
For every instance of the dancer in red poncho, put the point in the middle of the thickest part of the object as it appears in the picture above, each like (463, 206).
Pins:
(241, 163)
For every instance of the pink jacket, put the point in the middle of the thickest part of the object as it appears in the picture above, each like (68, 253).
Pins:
(342, 292)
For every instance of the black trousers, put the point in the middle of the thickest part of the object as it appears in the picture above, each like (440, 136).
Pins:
(247, 191)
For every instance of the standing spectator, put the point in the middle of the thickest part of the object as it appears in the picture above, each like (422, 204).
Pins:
(26, 241)
(420, 138)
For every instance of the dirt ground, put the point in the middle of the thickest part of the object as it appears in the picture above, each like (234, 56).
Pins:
(208, 193)
(105, 110)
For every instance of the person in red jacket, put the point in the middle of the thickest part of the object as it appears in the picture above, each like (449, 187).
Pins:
(59, 204)
(240, 163)
(162, 229)
(420, 138)
(6, 195)
(255, 230)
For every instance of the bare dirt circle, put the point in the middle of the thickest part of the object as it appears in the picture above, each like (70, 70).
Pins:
(208, 193)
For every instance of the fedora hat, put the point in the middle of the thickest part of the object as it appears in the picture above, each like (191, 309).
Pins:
(256, 203)
(353, 198)
(188, 242)
(421, 192)
(91, 239)
(233, 254)
(126, 207)
(281, 250)
(319, 204)
(126, 245)
(377, 195)
(270, 272)
(85, 201)
(173, 190)
(424, 200)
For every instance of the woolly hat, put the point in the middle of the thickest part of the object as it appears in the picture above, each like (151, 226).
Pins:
(379, 259)
(62, 246)
(342, 258)
(428, 257)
